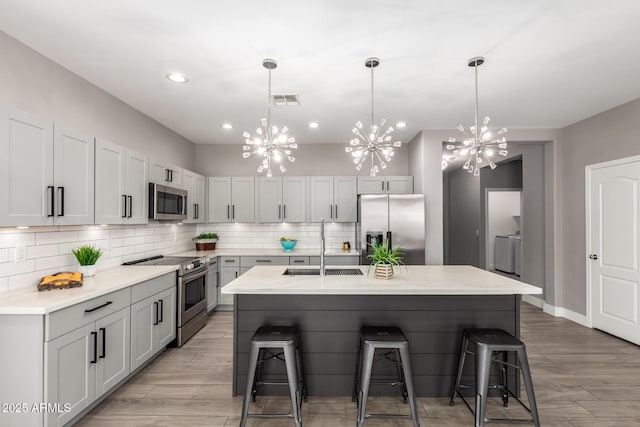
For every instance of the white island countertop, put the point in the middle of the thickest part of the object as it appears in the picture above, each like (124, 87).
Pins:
(412, 280)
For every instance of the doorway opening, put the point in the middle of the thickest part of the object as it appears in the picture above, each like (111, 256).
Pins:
(503, 250)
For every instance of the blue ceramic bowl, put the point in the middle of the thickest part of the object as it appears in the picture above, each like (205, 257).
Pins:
(288, 245)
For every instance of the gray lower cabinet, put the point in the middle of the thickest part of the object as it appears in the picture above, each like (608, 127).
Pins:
(82, 365)
(227, 274)
(153, 325)
(212, 284)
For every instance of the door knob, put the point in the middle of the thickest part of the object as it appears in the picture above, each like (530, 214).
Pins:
(593, 256)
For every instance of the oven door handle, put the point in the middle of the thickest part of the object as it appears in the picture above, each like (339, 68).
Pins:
(193, 276)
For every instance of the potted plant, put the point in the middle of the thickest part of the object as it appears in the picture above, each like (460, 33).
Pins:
(206, 241)
(384, 260)
(87, 257)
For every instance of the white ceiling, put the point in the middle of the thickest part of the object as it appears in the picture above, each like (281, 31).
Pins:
(550, 63)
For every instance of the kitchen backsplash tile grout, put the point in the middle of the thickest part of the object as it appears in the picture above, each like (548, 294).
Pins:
(48, 249)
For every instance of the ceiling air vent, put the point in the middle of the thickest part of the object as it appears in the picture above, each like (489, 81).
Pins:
(285, 100)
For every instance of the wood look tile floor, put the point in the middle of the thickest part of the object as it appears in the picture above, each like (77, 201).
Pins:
(582, 378)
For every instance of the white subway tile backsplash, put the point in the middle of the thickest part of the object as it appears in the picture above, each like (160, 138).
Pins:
(4, 255)
(17, 239)
(56, 237)
(55, 262)
(97, 234)
(4, 284)
(12, 268)
(41, 251)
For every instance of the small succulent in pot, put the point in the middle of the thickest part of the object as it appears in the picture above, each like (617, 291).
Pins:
(87, 257)
(385, 260)
(206, 241)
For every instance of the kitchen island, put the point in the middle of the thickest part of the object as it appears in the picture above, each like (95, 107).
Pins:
(431, 304)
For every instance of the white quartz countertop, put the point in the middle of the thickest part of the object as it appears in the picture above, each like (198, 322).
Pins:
(31, 301)
(267, 252)
(414, 280)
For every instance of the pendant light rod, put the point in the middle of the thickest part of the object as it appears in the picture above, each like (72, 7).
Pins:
(269, 64)
(475, 63)
(372, 63)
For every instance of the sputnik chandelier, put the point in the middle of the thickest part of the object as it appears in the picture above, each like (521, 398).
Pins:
(375, 144)
(270, 143)
(480, 144)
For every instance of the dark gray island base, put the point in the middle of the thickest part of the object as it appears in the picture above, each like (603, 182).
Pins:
(329, 327)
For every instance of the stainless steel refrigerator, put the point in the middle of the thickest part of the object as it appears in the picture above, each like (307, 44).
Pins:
(397, 219)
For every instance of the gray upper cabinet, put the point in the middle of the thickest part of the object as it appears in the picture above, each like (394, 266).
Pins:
(161, 173)
(46, 177)
(334, 198)
(73, 169)
(193, 183)
(321, 198)
(345, 199)
(385, 185)
(121, 185)
(281, 199)
(269, 199)
(231, 199)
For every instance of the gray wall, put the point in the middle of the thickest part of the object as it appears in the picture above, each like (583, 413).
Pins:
(606, 136)
(311, 159)
(34, 83)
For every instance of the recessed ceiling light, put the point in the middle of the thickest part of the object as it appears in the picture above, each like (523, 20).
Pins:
(313, 125)
(401, 125)
(226, 126)
(176, 78)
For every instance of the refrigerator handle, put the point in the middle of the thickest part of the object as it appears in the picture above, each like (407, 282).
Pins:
(389, 240)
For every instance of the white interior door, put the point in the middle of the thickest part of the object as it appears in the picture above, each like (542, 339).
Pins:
(613, 228)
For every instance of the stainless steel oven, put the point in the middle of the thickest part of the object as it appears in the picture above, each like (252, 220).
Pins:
(166, 203)
(192, 302)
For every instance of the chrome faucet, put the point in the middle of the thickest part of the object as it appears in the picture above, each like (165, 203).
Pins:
(322, 247)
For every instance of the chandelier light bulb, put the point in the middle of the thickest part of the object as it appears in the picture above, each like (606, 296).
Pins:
(480, 143)
(271, 143)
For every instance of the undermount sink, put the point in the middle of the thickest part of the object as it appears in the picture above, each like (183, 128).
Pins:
(328, 272)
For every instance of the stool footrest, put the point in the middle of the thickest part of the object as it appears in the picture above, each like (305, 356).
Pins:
(270, 415)
(387, 416)
(272, 383)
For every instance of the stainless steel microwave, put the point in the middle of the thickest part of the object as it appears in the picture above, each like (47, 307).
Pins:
(166, 203)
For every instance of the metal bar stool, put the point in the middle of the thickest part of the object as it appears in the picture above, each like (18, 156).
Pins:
(378, 343)
(484, 343)
(281, 343)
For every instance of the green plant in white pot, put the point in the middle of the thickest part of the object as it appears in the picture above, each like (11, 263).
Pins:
(385, 260)
(87, 257)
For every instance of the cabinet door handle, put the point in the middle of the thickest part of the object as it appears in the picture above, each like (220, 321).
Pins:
(228, 212)
(382, 182)
(298, 260)
(233, 211)
(155, 308)
(331, 211)
(336, 211)
(284, 211)
(124, 203)
(236, 274)
(263, 260)
(95, 347)
(197, 210)
(104, 343)
(52, 202)
(61, 193)
(217, 279)
(90, 310)
(279, 211)
(194, 211)
(130, 206)
(166, 172)
(161, 311)
(229, 260)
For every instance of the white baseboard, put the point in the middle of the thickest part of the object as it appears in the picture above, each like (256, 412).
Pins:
(535, 301)
(578, 318)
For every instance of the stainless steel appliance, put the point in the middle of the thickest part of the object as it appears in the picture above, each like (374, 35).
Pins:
(192, 292)
(166, 203)
(396, 219)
